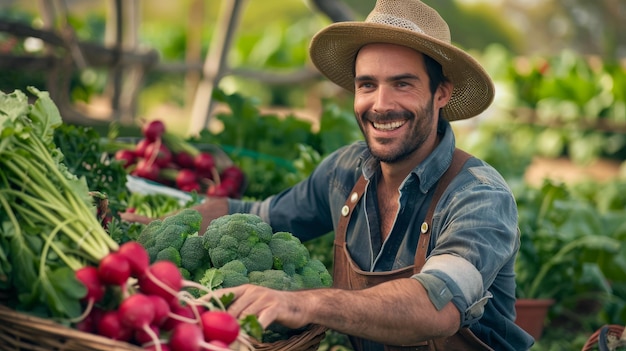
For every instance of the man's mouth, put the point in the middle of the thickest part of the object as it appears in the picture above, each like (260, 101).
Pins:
(388, 126)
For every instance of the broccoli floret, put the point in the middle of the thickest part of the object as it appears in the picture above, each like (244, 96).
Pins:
(193, 255)
(169, 253)
(235, 273)
(242, 237)
(189, 218)
(169, 232)
(274, 279)
(289, 254)
(315, 275)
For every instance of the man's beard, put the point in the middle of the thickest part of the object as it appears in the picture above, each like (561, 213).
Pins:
(421, 128)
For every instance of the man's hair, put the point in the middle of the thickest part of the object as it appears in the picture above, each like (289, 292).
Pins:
(435, 73)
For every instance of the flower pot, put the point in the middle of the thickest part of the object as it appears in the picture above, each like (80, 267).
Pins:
(531, 315)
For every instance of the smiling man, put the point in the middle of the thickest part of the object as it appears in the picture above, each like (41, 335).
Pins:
(425, 235)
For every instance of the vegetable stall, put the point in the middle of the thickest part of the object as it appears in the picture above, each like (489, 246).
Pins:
(82, 279)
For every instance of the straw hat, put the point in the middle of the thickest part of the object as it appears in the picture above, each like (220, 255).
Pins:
(408, 23)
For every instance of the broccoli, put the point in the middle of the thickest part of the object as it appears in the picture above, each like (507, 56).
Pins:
(189, 218)
(169, 253)
(169, 232)
(235, 273)
(273, 279)
(193, 255)
(289, 254)
(239, 236)
(315, 275)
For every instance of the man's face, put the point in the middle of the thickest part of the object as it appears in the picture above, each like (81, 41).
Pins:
(393, 104)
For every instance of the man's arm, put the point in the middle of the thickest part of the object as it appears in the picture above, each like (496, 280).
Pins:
(396, 312)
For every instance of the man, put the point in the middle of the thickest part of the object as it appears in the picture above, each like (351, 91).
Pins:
(417, 266)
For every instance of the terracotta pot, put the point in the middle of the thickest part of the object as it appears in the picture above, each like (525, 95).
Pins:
(531, 315)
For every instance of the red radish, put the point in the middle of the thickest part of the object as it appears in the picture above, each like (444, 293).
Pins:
(147, 169)
(186, 177)
(219, 325)
(140, 147)
(161, 309)
(184, 159)
(187, 337)
(114, 269)
(88, 275)
(162, 278)
(204, 163)
(142, 337)
(127, 157)
(179, 314)
(137, 257)
(111, 327)
(158, 153)
(153, 130)
(233, 172)
(191, 187)
(231, 186)
(90, 323)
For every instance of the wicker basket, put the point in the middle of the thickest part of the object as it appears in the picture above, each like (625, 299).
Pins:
(23, 332)
(614, 332)
(309, 340)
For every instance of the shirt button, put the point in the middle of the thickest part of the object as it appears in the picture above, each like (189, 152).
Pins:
(345, 210)
(354, 197)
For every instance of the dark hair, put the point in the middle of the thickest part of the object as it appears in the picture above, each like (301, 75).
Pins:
(435, 73)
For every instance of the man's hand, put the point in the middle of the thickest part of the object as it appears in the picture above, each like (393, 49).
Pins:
(267, 305)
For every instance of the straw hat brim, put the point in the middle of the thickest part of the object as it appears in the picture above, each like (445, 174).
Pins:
(333, 51)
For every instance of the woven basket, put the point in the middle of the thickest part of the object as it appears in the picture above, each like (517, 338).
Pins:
(614, 332)
(23, 332)
(309, 340)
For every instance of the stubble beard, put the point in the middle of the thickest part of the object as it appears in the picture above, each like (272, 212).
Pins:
(422, 125)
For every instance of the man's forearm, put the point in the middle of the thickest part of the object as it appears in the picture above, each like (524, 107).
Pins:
(395, 312)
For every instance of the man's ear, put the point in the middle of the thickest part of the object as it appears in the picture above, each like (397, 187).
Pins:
(443, 94)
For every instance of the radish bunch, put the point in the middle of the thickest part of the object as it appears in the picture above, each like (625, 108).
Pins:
(170, 160)
(145, 304)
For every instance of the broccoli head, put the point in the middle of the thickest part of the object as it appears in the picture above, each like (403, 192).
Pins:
(234, 273)
(239, 236)
(158, 235)
(190, 219)
(289, 254)
(273, 279)
(315, 275)
(170, 254)
(193, 255)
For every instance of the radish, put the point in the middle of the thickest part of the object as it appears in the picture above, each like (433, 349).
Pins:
(184, 159)
(153, 130)
(137, 257)
(111, 327)
(158, 153)
(88, 275)
(186, 177)
(143, 337)
(161, 309)
(140, 147)
(217, 190)
(219, 325)
(205, 164)
(179, 314)
(114, 269)
(127, 157)
(233, 172)
(136, 311)
(162, 278)
(147, 169)
(188, 337)
(154, 347)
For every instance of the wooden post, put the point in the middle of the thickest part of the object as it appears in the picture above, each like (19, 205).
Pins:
(215, 64)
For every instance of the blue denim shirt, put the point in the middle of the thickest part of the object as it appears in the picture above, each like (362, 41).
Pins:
(474, 238)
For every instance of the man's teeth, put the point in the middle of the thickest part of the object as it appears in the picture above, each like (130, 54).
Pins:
(389, 125)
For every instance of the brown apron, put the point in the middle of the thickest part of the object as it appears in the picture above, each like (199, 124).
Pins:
(347, 275)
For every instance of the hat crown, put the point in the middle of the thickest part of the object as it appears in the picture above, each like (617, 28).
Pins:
(411, 15)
